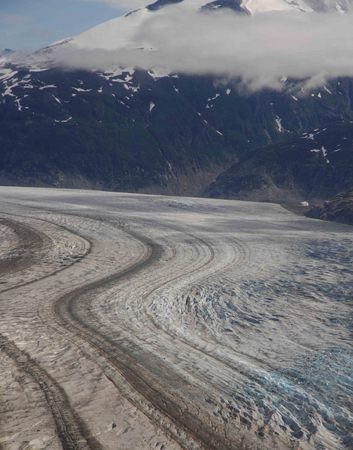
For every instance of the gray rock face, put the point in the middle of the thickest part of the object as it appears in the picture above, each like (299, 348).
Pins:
(161, 3)
(234, 5)
(339, 209)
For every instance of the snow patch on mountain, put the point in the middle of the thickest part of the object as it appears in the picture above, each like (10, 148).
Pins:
(261, 6)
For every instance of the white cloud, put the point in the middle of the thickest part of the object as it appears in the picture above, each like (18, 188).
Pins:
(259, 50)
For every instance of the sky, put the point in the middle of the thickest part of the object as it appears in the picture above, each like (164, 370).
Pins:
(32, 24)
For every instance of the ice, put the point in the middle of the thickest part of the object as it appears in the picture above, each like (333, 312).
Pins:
(197, 320)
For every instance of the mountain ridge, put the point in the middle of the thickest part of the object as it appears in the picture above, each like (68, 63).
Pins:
(148, 131)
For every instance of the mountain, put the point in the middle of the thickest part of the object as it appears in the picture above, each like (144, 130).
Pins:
(136, 130)
(339, 209)
(120, 33)
(151, 131)
(312, 166)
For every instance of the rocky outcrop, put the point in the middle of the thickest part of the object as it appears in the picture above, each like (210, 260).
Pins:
(339, 209)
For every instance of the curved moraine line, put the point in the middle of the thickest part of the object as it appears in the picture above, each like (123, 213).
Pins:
(201, 390)
(101, 347)
(204, 427)
(63, 404)
(32, 242)
(163, 411)
(71, 431)
(28, 242)
(188, 415)
(74, 310)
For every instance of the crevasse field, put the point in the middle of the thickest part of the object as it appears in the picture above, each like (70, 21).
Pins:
(147, 322)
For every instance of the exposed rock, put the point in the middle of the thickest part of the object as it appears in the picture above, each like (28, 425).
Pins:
(339, 209)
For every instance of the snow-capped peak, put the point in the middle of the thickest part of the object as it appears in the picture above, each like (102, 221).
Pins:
(118, 33)
(123, 33)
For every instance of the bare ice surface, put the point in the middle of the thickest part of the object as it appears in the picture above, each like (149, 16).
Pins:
(147, 322)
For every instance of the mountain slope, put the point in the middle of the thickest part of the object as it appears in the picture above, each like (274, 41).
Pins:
(128, 129)
(338, 209)
(315, 165)
(134, 130)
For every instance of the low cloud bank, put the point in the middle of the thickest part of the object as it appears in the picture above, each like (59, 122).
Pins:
(258, 50)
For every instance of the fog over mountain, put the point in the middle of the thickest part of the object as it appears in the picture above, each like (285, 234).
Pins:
(269, 41)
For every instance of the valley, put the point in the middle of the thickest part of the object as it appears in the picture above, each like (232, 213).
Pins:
(146, 322)
(176, 211)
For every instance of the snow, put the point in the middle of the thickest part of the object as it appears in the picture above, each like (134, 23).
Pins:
(113, 34)
(48, 86)
(324, 154)
(127, 32)
(263, 6)
(56, 99)
(109, 76)
(131, 88)
(64, 120)
(122, 32)
(6, 74)
(10, 83)
(213, 98)
(158, 73)
(38, 69)
(235, 309)
(279, 125)
(323, 151)
(210, 105)
(82, 90)
(18, 103)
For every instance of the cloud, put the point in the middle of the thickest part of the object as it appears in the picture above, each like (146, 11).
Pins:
(259, 50)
